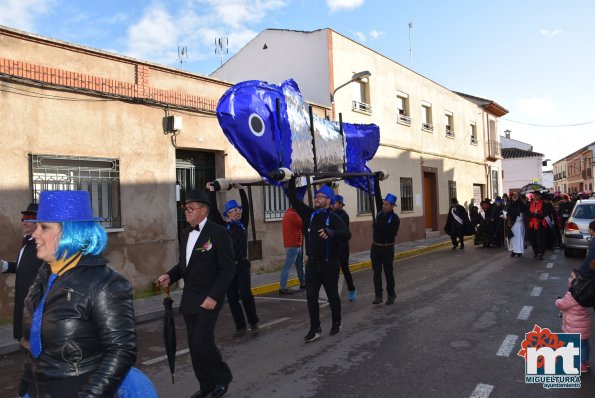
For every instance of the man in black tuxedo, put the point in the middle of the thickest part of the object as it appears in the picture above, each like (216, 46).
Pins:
(207, 266)
(25, 267)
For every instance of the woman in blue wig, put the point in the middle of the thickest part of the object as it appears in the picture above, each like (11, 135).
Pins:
(78, 326)
(238, 219)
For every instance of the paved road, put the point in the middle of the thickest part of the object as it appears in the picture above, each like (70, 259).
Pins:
(459, 320)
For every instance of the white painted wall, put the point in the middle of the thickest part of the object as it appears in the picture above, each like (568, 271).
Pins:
(510, 143)
(521, 171)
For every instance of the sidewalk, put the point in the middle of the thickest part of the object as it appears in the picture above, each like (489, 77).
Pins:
(151, 308)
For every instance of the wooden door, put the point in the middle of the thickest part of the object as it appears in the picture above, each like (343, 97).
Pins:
(429, 200)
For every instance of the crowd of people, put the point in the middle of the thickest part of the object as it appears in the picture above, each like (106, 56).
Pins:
(76, 323)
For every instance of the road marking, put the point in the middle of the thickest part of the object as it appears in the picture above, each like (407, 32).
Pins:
(164, 357)
(482, 391)
(549, 265)
(187, 350)
(278, 298)
(525, 312)
(554, 256)
(536, 291)
(544, 276)
(507, 345)
(276, 321)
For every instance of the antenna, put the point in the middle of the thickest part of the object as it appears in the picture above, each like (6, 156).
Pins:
(182, 54)
(410, 51)
(221, 47)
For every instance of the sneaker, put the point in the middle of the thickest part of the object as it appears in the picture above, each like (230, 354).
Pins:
(377, 300)
(254, 330)
(285, 292)
(335, 329)
(240, 333)
(352, 295)
(313, 335)
(391, 300)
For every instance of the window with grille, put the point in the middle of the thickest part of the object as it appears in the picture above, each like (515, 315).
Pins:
(426, 117)
(275, 203)
(452, 190)
(406, 194)
(449, 123)
(363, 202)
(495, 186)
(99, 176)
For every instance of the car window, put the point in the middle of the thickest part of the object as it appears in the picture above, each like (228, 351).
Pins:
(585, 211)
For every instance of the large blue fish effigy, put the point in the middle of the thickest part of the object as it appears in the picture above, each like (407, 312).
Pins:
(270, 139)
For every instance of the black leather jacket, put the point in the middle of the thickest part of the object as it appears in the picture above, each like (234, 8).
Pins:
(88, 326)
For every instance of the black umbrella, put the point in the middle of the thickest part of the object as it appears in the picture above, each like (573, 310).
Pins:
(169, 333)
(529, 188)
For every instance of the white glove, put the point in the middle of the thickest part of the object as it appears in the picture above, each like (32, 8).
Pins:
(4, 266)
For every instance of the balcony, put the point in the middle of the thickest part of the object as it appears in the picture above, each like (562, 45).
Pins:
(449, 132)
(361, 107)
(493, 150)
(473, 140)
(427, 127)
(403, 118)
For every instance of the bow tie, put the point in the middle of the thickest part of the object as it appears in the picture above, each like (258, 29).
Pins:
(196, 228)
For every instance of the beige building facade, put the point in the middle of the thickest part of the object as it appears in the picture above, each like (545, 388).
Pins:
(435, 143)
(79, 118)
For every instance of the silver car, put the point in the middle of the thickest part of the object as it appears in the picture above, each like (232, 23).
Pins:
(576, 233)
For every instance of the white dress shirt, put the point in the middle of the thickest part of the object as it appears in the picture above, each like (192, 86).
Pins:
(192, 238)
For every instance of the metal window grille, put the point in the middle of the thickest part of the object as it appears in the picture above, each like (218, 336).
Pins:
(406, 194)
(363, 202)
(452, 190)
(495, 187)
(99, 176)
(275, 203)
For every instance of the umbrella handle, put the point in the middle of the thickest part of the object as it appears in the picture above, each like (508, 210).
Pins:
(167, 291)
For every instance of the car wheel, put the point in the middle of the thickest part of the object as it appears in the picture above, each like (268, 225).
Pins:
(568, 252)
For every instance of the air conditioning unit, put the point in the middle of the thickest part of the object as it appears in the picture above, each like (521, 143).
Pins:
(173, 123)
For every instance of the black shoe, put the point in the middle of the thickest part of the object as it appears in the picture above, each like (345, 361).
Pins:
(540, 257)
(313, 335)
(335, 329)
(454, 247)
(391, 300)
(219, 390)
(377, 300)
(462, 246)
(254, 330)
(240, 333)
(519, 254)
(302, 288)
(285, 292)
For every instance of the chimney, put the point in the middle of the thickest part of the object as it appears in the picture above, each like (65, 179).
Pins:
(507, 133)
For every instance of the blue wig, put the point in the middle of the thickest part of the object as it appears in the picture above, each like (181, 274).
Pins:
(87, 237)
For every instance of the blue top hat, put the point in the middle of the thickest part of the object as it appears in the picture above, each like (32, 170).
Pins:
(230, 204)
(338, 199)
(392, 199)
(326, 191)
(65, 206)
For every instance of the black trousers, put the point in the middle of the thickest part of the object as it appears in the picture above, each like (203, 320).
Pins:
(240, 288)
(344, 262)
(382, 259)
(537, 238)
(456, 232)
(207, 362)
(68, 387)
(324, 274)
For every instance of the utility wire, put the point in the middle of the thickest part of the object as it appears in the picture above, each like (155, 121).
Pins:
(548, 125)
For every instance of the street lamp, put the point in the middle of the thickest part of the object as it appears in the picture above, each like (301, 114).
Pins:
(356, 76)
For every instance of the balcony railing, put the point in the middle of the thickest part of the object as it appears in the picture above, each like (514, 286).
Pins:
(450, 133)
(473, 140)
(362, 107)
(493, 149)
(404, 119)
(427, 126)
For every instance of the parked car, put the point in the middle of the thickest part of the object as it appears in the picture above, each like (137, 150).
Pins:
(576, 233)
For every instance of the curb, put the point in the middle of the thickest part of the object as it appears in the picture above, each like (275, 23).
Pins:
(272, 287)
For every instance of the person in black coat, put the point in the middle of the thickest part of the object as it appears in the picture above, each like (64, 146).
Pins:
(337, 205)
(240, 287)
(457, 224)
(382, 253)
(206, 264)
(324, 232)
(25, 268)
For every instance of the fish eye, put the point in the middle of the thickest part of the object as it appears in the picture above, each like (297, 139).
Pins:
(256, 124)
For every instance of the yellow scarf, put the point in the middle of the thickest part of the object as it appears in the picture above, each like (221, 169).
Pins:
(61, 266)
